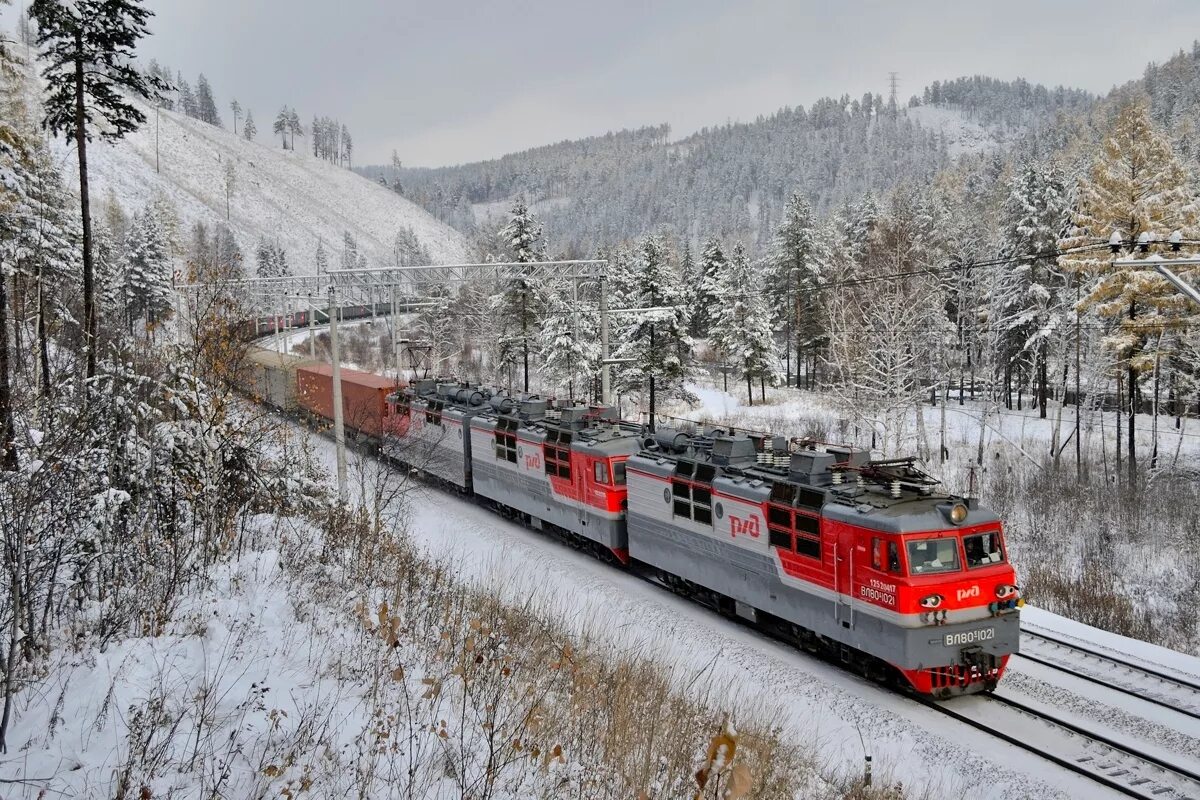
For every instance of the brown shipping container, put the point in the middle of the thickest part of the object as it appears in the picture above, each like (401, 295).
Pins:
(363, 395)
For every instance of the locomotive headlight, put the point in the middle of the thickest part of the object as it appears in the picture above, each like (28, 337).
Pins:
(932, 601)
(1005, 591)
(958, 513)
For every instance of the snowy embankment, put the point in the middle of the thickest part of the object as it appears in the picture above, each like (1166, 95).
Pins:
(286, 197)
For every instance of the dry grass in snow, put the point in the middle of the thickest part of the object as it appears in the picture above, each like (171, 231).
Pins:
(328, 658)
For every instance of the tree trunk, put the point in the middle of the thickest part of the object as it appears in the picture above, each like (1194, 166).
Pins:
(43, 336)
(89, 300)
(1042, 388)
(749, 389)
(787, 352)
(1132, 392)
(1154, 413)
(650, 427)
(762, 388)
(1132, 377)
(1120, 406)
(525, 336)
(8, 428)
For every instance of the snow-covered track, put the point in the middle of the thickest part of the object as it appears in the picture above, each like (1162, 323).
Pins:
(1145, 682)
(1119, 766)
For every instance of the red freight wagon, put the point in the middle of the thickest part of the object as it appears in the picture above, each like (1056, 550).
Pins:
(364, 396)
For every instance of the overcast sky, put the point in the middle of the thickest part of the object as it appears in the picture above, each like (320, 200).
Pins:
(444, 82)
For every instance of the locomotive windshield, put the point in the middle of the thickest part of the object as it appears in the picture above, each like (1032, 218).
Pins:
(983, 549)
(926, 556)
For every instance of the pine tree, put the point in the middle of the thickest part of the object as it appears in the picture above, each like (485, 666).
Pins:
(236, 108)
(249, 130)
(271, 260)
(706, 296)
(206, 106)
(1035, 216)
(147, 270)
(282, 269)
(88, 46)
(349, 251)
(264, 257)
(760, 359)
(407, 249)
(187, 100)
(727, 329)
(519, 303)
(568, 342)
(282, 124)
(1136, 186)
(658, 339)
(227, 254)
(800, 260)
(741, 328)
(347, 145)
(321, 258)
(294, 127)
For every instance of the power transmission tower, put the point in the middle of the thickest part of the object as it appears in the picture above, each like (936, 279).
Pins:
(894, 83)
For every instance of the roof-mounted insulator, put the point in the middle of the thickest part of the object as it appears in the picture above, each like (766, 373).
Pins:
(837, 477)
(895, 488)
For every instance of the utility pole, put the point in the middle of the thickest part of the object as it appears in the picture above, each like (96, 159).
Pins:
(605, 365)
(339, 423)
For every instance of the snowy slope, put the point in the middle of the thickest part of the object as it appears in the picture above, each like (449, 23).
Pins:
(289, 197)
(963, 136)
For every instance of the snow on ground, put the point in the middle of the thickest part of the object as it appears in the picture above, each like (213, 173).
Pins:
(1143, 653)
(289, 197)
(786, 408)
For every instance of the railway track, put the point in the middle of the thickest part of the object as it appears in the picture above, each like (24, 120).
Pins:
(1115, 765)
(1142, 681)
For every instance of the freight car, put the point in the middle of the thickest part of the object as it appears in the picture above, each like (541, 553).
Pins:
(858, 559)
(365, 407)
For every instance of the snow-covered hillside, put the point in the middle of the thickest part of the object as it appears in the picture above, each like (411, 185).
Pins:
(289, 198)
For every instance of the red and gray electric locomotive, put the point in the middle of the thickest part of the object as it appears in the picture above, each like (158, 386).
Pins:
(860, 559)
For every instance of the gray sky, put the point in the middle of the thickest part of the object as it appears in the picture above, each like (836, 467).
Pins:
(444, 82)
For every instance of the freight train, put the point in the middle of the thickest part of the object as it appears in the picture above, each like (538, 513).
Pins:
(860, 560)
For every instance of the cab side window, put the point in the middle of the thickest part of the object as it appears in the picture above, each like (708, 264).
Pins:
(601, 472)
(893, 558)
(877, 553)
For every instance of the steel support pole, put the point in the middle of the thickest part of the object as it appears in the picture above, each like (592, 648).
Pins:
(312, 333)
(281, 326)
(1179, 282)
(605, 367)
(339, 422)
